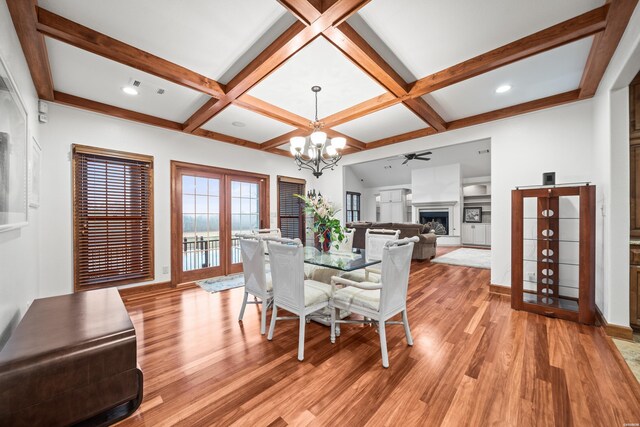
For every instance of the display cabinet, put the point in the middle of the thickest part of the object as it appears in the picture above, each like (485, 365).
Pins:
(553, 251)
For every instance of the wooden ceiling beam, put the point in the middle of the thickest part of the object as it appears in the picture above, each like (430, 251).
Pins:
(282, 139)
(605, 44)
(351, 142)
(77, 35)
(515, 110)
(585, 25)
(407, 136)
(291, 41)
(422, 109)
(503, 113)
(266, 109)
(354, 47)
(110, 110)
(23, 14)
(345, 38)
(306, 11)
(372, 105)
(569, 31)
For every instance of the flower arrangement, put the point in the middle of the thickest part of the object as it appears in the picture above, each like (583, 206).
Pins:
(325, 225)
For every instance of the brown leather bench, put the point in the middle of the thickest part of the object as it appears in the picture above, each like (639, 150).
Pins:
(71, 360)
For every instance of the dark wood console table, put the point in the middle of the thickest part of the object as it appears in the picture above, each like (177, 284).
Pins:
(71, 361)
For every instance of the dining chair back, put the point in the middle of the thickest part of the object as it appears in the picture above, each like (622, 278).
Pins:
(256, 279)
(287, 272)
(253, 265)
(396, 263)
(375, 239)
(378, 302)
(290, 289)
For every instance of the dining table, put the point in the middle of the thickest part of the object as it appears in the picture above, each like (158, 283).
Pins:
(340, 261)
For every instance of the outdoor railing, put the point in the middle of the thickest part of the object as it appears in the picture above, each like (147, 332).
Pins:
(204, 252)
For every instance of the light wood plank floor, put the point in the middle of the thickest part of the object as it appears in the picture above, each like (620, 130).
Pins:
(475, 362)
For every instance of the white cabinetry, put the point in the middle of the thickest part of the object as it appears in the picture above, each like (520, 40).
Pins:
(393, 206)
(476, 234)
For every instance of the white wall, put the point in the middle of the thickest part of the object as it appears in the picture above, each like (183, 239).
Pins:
(522, 148)
(69, 126)
(19, 261)
(611, 170)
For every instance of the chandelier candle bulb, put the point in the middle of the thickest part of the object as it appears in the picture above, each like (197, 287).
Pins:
(339, 142)
(318, 138)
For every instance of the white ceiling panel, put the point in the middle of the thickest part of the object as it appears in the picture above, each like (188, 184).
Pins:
(202, 35)
(546, 74)
(319, 63)
(381, 124)
(430, 35)
(90, 76)
(257, 128)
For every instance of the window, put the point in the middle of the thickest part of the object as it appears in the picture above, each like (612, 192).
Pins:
(291, 219)
(353, 206)
(112, 217)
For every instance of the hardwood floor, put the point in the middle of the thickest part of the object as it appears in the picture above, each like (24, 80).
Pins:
(474, 362)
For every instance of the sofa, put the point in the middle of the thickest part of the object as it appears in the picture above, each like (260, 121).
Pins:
(425, 249)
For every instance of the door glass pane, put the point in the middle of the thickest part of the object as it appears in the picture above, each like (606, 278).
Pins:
(200, 222)
(245, 213)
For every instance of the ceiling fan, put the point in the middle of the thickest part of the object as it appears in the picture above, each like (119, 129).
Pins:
(416, 156)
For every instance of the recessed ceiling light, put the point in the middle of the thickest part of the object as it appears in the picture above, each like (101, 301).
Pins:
(130, 90)
(503, 89)
(239, 124)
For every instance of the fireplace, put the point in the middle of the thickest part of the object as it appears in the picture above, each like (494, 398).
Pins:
(439, 220)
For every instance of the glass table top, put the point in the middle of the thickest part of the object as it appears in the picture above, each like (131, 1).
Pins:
(344, 261)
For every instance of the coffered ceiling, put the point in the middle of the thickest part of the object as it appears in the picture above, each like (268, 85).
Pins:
(391, 70)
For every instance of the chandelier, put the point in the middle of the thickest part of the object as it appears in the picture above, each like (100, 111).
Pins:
(316, 152)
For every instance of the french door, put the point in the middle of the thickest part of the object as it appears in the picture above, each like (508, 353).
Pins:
(209, 207)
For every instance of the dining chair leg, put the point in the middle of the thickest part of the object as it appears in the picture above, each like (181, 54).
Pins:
(383, 345)
(407, 331)
(333, 325)
(303, 325)
(244, 304)
(274, 314)
(263, 317)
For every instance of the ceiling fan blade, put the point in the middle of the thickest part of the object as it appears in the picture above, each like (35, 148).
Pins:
(421, 158)
(426, 153)
(406, 161)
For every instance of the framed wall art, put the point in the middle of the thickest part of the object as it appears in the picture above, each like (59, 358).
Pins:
(13, 154)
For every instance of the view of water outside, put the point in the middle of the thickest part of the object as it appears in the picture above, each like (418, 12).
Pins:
(201, 219)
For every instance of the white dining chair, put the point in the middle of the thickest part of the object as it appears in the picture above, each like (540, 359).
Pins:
(346, 246)
(378, 302)
(290, 290)
(257, 281)
(375, 241)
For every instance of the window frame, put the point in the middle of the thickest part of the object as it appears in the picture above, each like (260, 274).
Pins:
(351, 195)
(302, 216)
(77, 150)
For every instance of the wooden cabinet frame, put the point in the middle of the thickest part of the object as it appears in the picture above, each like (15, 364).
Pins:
(587, 232)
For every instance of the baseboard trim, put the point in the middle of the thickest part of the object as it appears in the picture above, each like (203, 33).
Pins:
(500, 289)
(153, 287)
(615, 331)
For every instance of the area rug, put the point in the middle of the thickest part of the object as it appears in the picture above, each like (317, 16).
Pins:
(631, 353)
(217, 284)
(467, 257)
